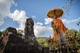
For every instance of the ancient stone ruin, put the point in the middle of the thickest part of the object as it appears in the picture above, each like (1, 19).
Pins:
(12, 42)
(30, 38)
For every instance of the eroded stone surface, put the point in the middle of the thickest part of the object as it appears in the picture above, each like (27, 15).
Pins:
(12, 42)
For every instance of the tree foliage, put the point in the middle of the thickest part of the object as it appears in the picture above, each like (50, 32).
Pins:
(76, 35)
(20, 31)
(42, 41)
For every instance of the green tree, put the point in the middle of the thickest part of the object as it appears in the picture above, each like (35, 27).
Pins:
(20, 31)
(76, 36)
(42, 41)
(73, 32)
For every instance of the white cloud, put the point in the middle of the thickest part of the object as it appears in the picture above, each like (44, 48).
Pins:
(41, 30)
(20, 17)
(39, 23)
(33, 16)
(1, 20)
(2, 30)
(65, 21)
(5, 6)
(47, 20)
(79, 18)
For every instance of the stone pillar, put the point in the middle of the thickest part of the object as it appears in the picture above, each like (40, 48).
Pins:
(30, 38)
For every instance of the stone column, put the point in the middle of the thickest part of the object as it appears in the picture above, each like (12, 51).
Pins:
(30, 38)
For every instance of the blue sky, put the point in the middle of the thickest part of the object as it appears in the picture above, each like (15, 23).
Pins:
(13, 13)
